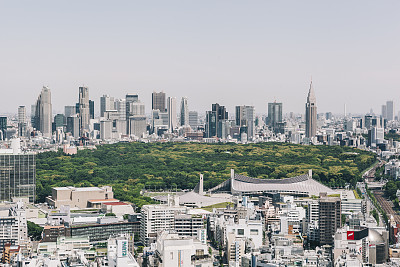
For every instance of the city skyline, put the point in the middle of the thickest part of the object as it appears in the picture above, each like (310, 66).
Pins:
(213, 52)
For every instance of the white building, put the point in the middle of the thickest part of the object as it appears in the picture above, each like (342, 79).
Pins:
(118, 253)
(13, 228)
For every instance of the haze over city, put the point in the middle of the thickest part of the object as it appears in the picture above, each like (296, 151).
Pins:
(230, 52)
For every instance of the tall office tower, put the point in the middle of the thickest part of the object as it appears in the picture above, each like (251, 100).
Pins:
(33, 114)
(59, 121)
(137, 119)
(245, 118)
(43, 112)
(214, 120)
(193, 119)
(274, 114)
(384, 111)
(91, 109)
(184, 112)
(120, 107)
(3, 128)
(17, 173)
(106, 103)
(69, 111)
(329, 219)
(171, 109)
(311, 113)
(390, 110)
(84, 109)
(73, 125)
(129, 99)
(158, 101)
(22, 123)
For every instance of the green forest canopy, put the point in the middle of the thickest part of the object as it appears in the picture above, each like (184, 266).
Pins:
(129, 167)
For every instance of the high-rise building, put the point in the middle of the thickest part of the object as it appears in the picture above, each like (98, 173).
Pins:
(22, 123)
(91, 109)
(3, 128)
(311, 113)
(214, 120)
(390, 110)
(84, 109)
(14, 230)
(106, 103)
(384, 111)
(158, 101)
(17, 173)
(171, 109)
(59, 121)
(69, 111)
(129, 99)
(193, 119)
(184, 112)
(245, 118)
(73, 125)
(274, 114)
(329, 219)
(43, 112)
(137, 119)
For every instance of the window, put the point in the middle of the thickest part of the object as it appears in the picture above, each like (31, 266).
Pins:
(172, 255)
(253, 231)
(240, 231)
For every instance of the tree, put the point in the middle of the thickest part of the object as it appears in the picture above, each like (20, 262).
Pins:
(34, 231)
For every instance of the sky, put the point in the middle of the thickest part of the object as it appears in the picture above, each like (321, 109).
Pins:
(226, 52)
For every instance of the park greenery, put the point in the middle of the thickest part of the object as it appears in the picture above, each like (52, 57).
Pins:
(131, 167)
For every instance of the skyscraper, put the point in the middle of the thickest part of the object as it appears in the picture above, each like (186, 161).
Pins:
(245, 118)
(22, 123)
(17, 173)
(274, 114)
(193, 119)
(137, 119)
(311, 113)
(43, 112)
(390, 110)
(184, 115)
(106, 103)
(158, 101)
(384, 111)
(3, 128)
(329, 219)
(214, 120)
(69, 111)
(171, 109)
(84, 109)
(129, 99)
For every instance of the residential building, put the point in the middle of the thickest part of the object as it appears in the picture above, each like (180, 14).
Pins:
(329, 219)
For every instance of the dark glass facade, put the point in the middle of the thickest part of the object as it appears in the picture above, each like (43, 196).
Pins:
(17, 176)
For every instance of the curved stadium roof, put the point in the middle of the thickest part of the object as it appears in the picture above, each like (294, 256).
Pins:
(299, 185)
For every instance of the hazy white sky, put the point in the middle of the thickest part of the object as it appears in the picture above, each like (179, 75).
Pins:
(230, 52)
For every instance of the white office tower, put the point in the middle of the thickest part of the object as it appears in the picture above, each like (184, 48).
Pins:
(171, 109)
(118, 253)
(390, 110)
(106, 104)
(84, 110)
(106, 127)
(22, 122)
(184, 115)
(43, 113)
(137, 119)
(193, 119)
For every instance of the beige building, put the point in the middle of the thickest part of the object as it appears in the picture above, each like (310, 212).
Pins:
(78, 197)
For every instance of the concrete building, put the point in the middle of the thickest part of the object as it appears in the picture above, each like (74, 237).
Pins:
(84, 109)
(22, 122)
(329, 219)
(43, 113)
(174, 250)
(193, 119)
(13, 228)
(118, 253)
(106, 104)
(78, 197)
(73, 125)
(390, 110)
(184, 112)
(17, 173)
(158, 101)
(245, 118)
(171, 109)
(311, 113)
